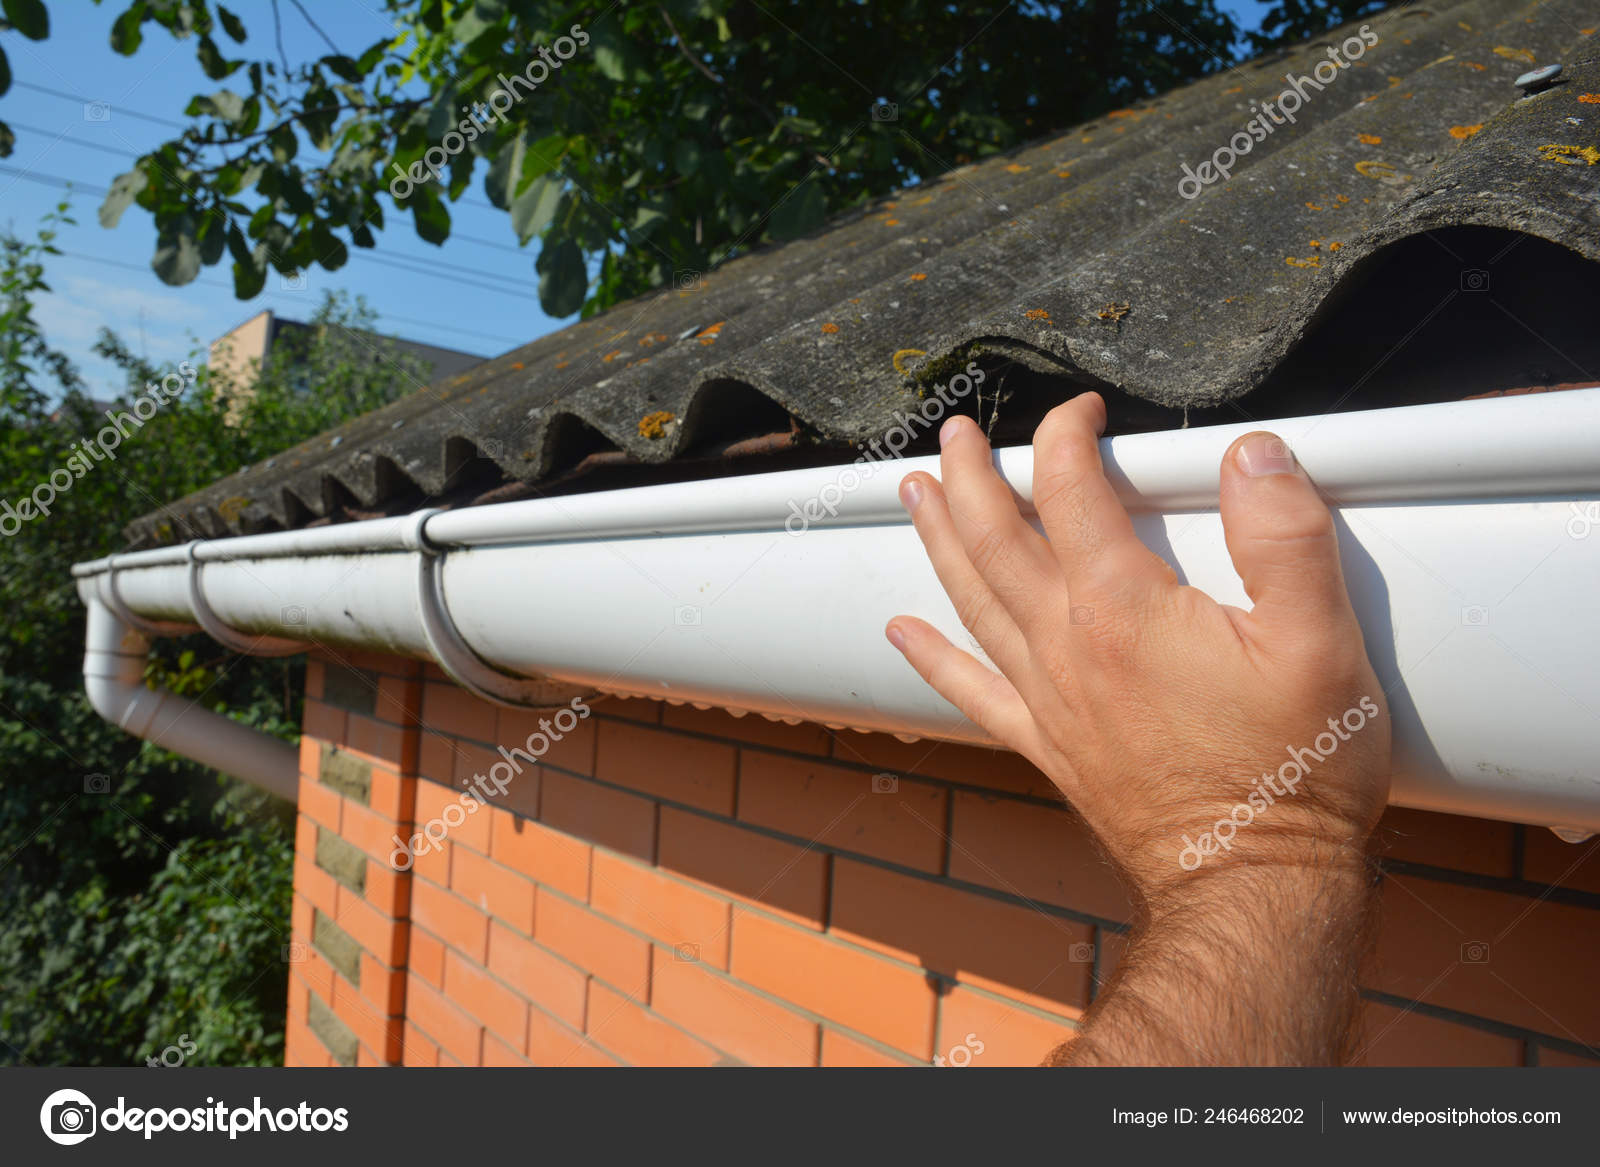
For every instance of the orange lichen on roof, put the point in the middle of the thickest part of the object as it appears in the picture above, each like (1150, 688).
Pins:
(830, 328)
(1474, 65)
(708, 334)
(1335, 246)
(652, 338)
(1136, 114)
(1525, 55)
(1062, 174)
(1036, 314)
(1381, 171)
(1589, 98)
(1115, 310)
(1308, 261)
(612, 355)
(918, 277)
(903, 354)
(1016, 168)
(1312, 207)
(516, 364)
(1369, 139)
(1570, 155)
(891, 222)
(562, 364)
(1231, 92)
(1462, 133)
(1316, 245)
(654, 425)
(1341, 199)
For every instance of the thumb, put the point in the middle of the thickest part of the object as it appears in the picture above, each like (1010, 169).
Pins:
(1281, 537)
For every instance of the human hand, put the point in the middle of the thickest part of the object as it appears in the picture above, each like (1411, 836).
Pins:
(1175, 725)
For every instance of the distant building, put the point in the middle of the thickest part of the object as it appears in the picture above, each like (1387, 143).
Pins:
(241, 352)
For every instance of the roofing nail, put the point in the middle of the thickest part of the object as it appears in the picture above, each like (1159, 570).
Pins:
(397, 423)
(1536, 80)
(337, 439)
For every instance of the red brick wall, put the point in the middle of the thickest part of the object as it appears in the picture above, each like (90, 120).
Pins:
(676, 887)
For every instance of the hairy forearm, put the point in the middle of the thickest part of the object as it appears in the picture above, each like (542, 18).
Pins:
(1242, 965)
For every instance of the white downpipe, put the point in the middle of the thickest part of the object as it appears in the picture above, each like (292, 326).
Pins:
(113, 677)
(1465, 530)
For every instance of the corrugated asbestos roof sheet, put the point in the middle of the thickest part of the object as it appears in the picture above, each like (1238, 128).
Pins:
(1076, 257)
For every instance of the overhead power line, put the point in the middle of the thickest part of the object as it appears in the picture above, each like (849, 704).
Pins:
(508, 287)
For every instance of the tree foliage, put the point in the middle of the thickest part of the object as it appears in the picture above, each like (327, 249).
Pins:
(634, 141)
(144, 901)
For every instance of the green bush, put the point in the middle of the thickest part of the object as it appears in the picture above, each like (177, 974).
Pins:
(144, 900)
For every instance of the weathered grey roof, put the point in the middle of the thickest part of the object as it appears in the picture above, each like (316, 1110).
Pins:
(1075, 259)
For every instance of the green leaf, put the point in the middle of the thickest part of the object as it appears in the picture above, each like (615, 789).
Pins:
(536, 206)
(248, 278)
(5, 73)
(127, 33)
(231, 25)
(29, 17)
(216, 66)
(804, 210)
(238, 246)
(124, 189)
(8, 140)
(563, 278)
(613, 54)
(346, 69)
(433, 220)
(177, 257)
(226, 104)
(213, 235)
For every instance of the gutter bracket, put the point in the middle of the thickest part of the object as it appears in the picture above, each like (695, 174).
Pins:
(220, 632)
(112, 596)
(452, 653)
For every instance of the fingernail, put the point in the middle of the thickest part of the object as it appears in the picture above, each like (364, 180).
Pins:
(911, 494)
(1263, 454)
(948, 431)
(896, 637)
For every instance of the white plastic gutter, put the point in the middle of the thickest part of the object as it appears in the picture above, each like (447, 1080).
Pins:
(1466, 533)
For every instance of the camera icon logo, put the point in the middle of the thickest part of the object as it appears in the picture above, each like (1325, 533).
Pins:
(492, 448)
(294, 283)
(96, 111)
(687, 281)
(293, 952)
(1475, 952)
(67, 1117)
(1081, 953)
(1584, 519)
(885, 111)
(292, 615)
(1082, 614)
(885, 784)
(686, 616)
(97, 784)
(1474, 279)
(1475, 616)
(687, 953)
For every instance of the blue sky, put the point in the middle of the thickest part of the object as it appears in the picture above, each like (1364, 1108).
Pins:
(485, 303)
